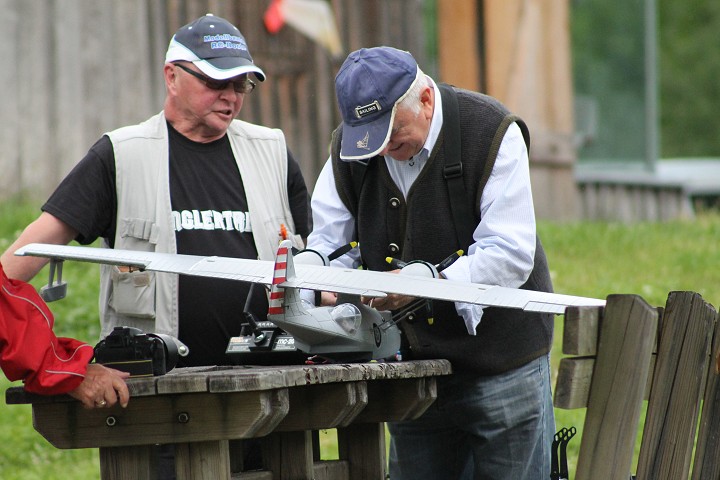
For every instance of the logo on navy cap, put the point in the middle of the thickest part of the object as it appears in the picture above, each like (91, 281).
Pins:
(361, 111)
(363, 143)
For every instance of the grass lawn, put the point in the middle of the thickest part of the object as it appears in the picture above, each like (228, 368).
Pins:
(589, 259)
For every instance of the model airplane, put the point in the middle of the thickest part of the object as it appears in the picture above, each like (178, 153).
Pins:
(351, 326)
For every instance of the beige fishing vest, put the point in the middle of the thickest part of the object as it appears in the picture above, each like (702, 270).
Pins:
(148, 300)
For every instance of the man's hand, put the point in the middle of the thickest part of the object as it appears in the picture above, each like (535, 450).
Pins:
(102, 387)
(392, 302)
(328, 299)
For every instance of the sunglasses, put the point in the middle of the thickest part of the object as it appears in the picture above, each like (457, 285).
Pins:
(244, 85)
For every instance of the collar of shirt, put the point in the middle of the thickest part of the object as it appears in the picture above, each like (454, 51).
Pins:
(404, 173)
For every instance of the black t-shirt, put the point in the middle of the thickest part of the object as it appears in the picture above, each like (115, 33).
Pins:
(211, 218)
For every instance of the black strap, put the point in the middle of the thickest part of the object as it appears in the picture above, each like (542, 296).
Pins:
(350, 199)
(358, 177)
(453, 167)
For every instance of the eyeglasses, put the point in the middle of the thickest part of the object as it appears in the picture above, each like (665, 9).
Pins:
(243, 85)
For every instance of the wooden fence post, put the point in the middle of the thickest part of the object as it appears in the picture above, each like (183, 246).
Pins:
(707, 450)
(677, 387)
(627, 337)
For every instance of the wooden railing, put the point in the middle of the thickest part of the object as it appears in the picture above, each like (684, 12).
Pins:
(626, 353)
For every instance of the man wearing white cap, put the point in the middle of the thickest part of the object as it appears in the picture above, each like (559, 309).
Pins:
(192, 179)
(419, 170)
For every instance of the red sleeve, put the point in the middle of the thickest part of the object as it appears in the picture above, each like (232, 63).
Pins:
(29, 350)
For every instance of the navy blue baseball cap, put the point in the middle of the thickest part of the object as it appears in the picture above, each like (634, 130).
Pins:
(216, 46)
(369, 86)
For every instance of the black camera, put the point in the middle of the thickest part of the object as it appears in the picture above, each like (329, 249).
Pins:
(131, 350)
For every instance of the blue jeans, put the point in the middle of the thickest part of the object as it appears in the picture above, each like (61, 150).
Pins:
(485, 428)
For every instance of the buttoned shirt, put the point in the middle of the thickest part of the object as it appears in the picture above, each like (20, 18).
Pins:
(503, 249)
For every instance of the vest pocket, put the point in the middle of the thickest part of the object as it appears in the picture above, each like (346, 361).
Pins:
(133, 293)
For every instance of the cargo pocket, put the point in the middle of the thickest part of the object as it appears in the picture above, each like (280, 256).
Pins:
(133, 293)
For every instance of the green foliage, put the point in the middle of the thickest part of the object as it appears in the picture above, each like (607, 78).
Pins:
(689, 71)
(608, 66)
(608, 71)
(592, 259)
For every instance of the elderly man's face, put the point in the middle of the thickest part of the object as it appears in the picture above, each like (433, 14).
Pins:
(410, 129)
(201, 113)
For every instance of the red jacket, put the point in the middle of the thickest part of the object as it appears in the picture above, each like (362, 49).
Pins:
(29, 350)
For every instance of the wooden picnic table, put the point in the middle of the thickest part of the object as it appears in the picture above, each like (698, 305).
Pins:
(204, 411)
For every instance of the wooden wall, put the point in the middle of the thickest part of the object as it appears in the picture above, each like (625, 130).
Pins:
(529, 68)
(73, 69)
(519, 52)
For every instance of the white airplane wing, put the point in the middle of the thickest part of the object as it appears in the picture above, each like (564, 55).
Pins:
(325, 278)
(341, 280)
(218, 267)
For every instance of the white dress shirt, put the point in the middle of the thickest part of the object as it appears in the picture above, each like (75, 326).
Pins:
(503, 250)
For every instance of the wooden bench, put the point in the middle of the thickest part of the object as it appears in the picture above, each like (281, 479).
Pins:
(626, 353)
(205, 412)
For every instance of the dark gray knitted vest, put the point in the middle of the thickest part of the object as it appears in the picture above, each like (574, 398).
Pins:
(422, 228)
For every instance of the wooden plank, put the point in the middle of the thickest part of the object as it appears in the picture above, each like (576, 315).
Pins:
(707, 451)
(588, 195)
(68, 138)
(648, 204)
(159, 34)
(11, 132)
(289, 455)
(128, 463)
(303, 149)
(607, 204)
(624, 212)
(458, 53)
(678, 385)
(572, 387)
(318, 407)
(617, 389)
(322, 470)
(398, 400)
(34, 93)
(100, 85)
(245, 378)
(263, 377)
(162, 419)
(254, 475)
(363, 446)
(133, 97)
(284, 94)
(331, 470)
(202, 461)
(580, 330)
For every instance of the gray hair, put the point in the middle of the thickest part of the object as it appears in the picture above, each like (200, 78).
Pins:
(411, 101)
